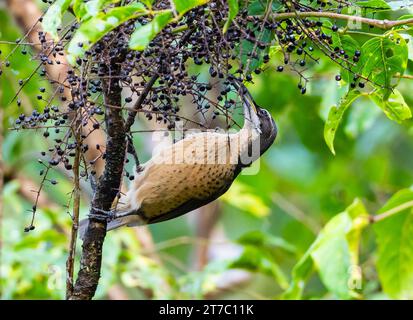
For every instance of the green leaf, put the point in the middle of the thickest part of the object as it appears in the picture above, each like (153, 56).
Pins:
(247, 47)
(242, 197)
(95, 28)
(148, 3)
(335, 36)
(350, 45)
(300, 274)
(394, 106)
(53, 17)
(362, 116)
(346, 42)
(382, 58)
(183, 6)
(233, 11)
(334, 254)
(400, 200)
(86, 10)
(258, 255)
(335, 116)
(34, 241)
(375, 5)
(143, 35)
(198, 284)
(400, 4)
(395, 246)
(258, 260)
(258, 7)
(147, 274)
(262, 239)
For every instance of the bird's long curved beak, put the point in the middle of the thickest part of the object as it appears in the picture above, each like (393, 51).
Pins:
(245, 94)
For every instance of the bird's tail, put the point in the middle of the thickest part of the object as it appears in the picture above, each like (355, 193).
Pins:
(130, 221)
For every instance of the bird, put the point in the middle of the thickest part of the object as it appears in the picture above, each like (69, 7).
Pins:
(193, 171)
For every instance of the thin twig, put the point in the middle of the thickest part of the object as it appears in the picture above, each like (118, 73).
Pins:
(139, 102)
(70, 262)
(391, 212)
(405, 76)
(382, 24)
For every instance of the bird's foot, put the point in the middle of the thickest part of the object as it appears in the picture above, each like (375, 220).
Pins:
(102, 215)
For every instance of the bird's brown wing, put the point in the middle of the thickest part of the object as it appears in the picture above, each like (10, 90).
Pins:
(167, 190)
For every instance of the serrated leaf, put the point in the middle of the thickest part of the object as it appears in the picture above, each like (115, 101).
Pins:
(143, 35)
(335, 116)
(233, 8)
(375, 5)
(394, 106)
(95, 28)
(334, 254)
(53, 17)
(86, 10)
(395, 246)
(382, 58)
(183, 6)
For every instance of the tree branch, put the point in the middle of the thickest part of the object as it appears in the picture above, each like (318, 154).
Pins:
(139, 102)
(106, 191)
(382, 24)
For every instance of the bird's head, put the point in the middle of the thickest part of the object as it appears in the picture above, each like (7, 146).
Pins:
(268, 129)
(257, 118)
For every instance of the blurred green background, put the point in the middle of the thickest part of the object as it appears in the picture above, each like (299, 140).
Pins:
(264, 224)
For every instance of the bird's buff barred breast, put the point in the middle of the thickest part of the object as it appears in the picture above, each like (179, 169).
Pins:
(194, 170)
